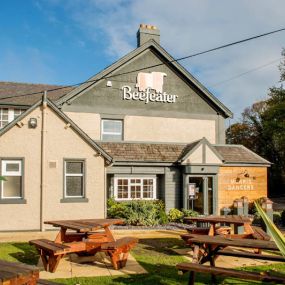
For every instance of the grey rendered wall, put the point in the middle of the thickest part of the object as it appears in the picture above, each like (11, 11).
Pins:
(173, 188)
(108, 100)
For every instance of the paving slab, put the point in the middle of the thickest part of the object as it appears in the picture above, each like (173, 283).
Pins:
(90, 266)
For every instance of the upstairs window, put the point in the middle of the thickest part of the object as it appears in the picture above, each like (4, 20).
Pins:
(112, 130)
(74, 178)
(7, 115)
(11, 188)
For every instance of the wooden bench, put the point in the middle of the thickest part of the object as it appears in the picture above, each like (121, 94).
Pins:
(118, 250)
(50, 252)
(259, 233)
(194, 267)
(244, 254)
(14, 273)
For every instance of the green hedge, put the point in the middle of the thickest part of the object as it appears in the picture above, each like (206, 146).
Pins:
(145, 212)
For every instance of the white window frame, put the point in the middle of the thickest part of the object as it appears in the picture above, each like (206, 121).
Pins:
(112, 133)
(154, 179)
(6, 173)
(11, 114)
(74, 175)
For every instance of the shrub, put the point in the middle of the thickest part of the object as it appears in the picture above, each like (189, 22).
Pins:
(174, 215)
(137, 212)
(189, 213)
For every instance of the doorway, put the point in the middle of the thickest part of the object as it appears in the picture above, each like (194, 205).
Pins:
(203, 199)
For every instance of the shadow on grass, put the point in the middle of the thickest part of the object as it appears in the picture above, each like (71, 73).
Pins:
(27, 254)
(163, 245)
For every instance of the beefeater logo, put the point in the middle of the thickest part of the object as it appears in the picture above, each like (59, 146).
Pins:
(153, 80)
(149, 89)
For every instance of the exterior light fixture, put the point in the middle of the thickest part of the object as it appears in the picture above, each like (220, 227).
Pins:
(109, 83)
(32, 123)
(266, 204)
(238, 203)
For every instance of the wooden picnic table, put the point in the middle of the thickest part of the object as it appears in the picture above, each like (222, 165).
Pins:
(209, 248)
(12, 273)
(85, 236)
(85, 228)
(215, 221)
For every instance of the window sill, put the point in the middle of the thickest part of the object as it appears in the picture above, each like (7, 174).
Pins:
(13, 201)
(74, 200)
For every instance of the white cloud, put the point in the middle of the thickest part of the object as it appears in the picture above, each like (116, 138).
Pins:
(189, 26)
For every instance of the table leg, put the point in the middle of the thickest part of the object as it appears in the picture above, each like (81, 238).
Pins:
(248, 229)
(60, 236)
(109, 234)
(212, 230)
(191, 280)
(196, 252)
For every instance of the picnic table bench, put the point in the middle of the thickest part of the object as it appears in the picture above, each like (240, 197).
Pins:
(220, 271)
(13, 273)
(87, 236)
(209, 248)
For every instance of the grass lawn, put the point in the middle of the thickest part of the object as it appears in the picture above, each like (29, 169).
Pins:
(155, 255)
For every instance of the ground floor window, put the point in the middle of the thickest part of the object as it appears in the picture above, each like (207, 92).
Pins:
(11, 188)
(128, 188)
(74, 178)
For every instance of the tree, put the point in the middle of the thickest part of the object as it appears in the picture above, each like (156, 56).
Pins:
(262, 130)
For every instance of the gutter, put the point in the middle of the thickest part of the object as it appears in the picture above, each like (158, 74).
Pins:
(43, 159)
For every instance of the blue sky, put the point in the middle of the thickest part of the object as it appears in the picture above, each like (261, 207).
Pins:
(67, 41)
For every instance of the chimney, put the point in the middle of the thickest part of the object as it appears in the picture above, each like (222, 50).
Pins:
(146, 33)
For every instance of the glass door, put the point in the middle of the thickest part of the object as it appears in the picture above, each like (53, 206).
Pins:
(202, 201)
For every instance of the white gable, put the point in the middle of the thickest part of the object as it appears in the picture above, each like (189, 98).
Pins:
(211, 157)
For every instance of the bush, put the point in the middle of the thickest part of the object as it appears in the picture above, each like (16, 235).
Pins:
(138, 212)
(176, 215)
(189, 213)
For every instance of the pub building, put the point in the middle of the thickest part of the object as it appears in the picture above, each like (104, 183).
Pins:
(143, 128)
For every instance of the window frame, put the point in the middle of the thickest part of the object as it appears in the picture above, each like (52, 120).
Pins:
(11, 115)
(83, 175)
(129, 178)
(112, 133)
(5, 173)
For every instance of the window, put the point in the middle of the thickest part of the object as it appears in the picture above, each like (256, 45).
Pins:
(112, 130)
(135, 188)
(12, 187)
(7, 115)
(74, 179)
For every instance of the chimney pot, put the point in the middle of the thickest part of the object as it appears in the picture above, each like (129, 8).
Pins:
(146, 33)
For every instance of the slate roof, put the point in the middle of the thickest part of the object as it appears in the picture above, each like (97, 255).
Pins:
(8, 89)
(143, 152)
(173, 152)
(239, 154)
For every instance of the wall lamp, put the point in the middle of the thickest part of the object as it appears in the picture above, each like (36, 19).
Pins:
(33, 122)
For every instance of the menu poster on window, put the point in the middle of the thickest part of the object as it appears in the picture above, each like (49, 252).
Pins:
(191, 191)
